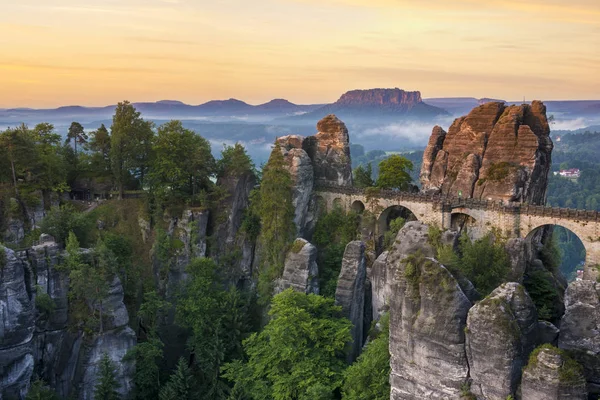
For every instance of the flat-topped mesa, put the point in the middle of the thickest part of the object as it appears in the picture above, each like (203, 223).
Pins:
(392, 98)
(496, 152)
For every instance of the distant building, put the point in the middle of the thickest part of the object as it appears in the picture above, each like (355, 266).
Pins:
(572, 173)
(558, 138)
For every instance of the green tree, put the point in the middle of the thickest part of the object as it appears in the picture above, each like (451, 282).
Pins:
(298, 355)
(146, 378)
(484, 262)
(217, 319)
(99, 145)
(182, 164)
(234, 161)
(130, 145)
(276, 213)
(369, 376)
(394, 173)
(40, 391)
(107, 386)
(181, 384)
(363, 176)
(76, 134)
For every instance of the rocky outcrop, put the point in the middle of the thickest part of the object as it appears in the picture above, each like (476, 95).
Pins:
(580, 329)
(381, 276)
(552, 375)
(501, 333)
(428, 312)
(301, 169)
(496, 152)
(301, 271)
(329, 151)
(350, 292)
(391, 98)
(17, 318)
(115, 344)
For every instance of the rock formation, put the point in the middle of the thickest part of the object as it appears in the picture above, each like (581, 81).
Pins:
(552, 375)
(229, 239)
(350, 292)
(501, 332)
(580, 329)
(17, 319)
(496, 152)
(301, 271)
(301, 169)
(428, 311)
(329, 151)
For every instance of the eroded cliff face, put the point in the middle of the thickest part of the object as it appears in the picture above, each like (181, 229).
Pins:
(17, 325)
(322, 159)
(501, 332)
(551, 375)
(350, 292)
(580, 329)
(428, 312)
(329, 151)
(496, 152)
(301, 271)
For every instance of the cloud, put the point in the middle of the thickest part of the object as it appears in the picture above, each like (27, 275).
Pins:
(402, 135)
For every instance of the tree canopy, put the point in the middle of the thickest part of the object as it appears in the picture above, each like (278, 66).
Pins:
(394, 173)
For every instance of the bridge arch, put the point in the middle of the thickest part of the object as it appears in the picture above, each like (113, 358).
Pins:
(390, 214)
(337, 203)
(358, 206)
(572, 249)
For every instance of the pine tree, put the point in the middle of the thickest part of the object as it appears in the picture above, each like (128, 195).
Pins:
(180, 385)
(107, 386)
(276, 212)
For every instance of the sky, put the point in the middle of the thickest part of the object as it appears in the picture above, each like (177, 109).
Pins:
(66, 52)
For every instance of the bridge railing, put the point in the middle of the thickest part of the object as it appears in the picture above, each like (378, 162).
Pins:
(458, 202)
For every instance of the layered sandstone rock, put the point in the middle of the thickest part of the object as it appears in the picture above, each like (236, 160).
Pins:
(301, 271)
(501, 333)
(428, 312)
(350, 292)
(329, 151)
(17, 322)
(580, 328)
(552, 375)
(496, 152)
(301, 169)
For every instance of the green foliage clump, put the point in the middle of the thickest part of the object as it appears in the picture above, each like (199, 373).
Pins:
(107, 384)
(146, 378)
(390, 236)
(43, 302)
(334, 230)
(394, 173)
(181, 164)
(297, 246)
(217, 319)
(543, 292)
(434, 236)
(368, 377)
(298, 355)
(59, 221)
(551, 254)
(569, 373)
(362, 176)
(2, 258)
(484, 262)
(234, 161)
(181, 384)
(40, 391)
(276, 213)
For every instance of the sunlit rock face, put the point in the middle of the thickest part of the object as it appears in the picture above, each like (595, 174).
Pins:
(496, 152)
(300, 271)
(329, 151)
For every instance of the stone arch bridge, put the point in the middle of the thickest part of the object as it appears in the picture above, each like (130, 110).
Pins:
(513, 220)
